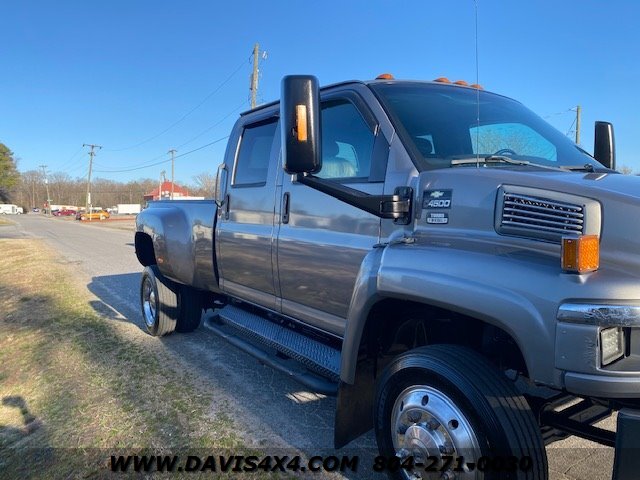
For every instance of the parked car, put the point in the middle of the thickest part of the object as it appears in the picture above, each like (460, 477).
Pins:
(64, 213)
(35, 210)
(100, 215)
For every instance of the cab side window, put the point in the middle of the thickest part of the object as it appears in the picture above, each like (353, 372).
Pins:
(347, 142)
(252, 161)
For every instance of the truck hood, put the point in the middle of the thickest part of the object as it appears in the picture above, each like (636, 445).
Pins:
(473, 193)
(593, 185)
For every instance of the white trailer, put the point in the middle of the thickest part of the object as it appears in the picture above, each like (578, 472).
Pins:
(9, 209)
(128, 208)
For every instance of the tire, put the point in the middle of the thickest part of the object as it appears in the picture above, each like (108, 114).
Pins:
(449, 400)
(190, 309)
(102, 217)
(159, 302)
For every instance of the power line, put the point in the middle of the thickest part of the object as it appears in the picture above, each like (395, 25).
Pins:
(185, 115)
(570, 128)
(214, 125)
(68, 162)
(564, 112)
(163, 161)
(145, 162)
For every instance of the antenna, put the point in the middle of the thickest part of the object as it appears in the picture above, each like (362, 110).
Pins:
(477, 93)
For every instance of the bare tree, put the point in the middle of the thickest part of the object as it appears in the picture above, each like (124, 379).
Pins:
(205, 182)
(625, 170)
(32, 186)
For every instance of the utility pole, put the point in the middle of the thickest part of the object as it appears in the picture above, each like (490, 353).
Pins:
(578, 111)
(91, 154)
(162, 177)
(46, 182)
(254, 75)
(173, 153)
(33, 192)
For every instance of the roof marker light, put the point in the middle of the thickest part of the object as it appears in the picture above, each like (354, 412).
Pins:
(385, 76)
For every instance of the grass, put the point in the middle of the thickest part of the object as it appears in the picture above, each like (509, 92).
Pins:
(4, 221)
(75, 388)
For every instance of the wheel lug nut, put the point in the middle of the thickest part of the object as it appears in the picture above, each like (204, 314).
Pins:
(448, 475)
(403, 453)
(414, 416)
(446, 449)
(433, 424)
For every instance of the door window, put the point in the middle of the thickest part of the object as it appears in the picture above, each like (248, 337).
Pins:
(347, 142)
(252, 162)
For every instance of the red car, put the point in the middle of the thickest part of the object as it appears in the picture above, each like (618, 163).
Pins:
(64, 213)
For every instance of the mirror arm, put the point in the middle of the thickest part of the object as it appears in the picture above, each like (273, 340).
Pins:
(396, 206)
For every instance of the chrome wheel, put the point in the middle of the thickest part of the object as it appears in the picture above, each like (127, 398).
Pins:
(149, 305)
(427, 423)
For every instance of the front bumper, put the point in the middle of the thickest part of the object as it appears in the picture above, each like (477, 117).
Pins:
(578, 352)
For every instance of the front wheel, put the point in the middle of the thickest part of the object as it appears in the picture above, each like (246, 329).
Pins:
(440, 402)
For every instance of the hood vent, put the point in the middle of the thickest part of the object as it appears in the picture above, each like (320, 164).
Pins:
(541, 215)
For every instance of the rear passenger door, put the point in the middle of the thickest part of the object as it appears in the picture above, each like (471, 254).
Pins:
(245, 232)
(322, 240)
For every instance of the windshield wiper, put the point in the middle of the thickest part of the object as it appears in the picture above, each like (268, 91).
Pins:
(587, 167)
(498, 159)
(489, 159)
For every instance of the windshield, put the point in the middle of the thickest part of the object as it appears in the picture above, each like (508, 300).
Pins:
(439, 123)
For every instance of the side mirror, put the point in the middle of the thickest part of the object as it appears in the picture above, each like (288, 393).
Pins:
(604, 149)
(300, 124)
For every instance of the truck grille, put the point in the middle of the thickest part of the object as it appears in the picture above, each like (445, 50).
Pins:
(537, 215)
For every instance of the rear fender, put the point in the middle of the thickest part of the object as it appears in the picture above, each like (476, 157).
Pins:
(171, 237)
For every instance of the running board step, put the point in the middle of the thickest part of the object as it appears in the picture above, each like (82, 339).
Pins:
(314, 355)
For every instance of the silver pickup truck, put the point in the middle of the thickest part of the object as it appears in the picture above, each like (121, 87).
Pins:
(462, 276)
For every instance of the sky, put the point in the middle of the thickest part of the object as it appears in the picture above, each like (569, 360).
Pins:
(141, 77)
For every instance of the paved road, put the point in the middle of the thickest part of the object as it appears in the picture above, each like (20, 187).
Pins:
(270, 409)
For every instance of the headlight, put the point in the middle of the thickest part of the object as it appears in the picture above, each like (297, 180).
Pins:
(611, 345)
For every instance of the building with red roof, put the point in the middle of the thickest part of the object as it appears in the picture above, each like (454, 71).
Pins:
(163, 192)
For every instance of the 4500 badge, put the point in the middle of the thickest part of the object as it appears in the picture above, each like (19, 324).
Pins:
(436, 199)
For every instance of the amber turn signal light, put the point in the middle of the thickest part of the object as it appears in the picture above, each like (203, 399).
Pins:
(301, 122)
(580, 254)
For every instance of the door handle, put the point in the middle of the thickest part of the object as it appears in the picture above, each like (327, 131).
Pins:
(227, 200)
(286, 200)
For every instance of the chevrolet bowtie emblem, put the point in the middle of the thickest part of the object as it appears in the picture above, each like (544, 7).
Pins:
(436, 194)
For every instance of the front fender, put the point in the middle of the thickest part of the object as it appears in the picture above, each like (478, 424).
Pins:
(509, 291)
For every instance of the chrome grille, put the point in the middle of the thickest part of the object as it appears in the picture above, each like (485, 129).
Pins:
(540, 215)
